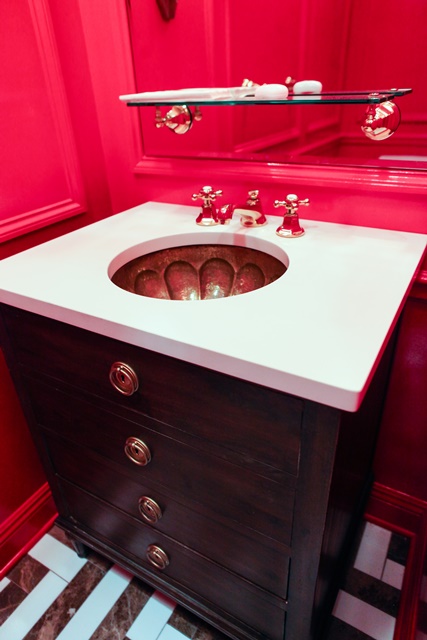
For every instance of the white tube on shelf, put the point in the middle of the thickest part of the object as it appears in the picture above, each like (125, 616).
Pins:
(180, 95)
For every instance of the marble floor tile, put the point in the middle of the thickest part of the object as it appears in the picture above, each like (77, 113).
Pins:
(65, 606)
(170, 633)
(99, 601)
(362, 616)
(97, 605)
(92, 556)
(121, 616)
(30, 610)
(4, 583)
(373, 549)
(10, 597)
(61, 536)
(152, 618)
(57, 557)
(339, 630)
(192, 627)
(184, 621)
(27, 573)
(393, 574)
(372, 591)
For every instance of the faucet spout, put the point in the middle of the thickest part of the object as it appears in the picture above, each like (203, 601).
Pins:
(225, 214)
(251, 214)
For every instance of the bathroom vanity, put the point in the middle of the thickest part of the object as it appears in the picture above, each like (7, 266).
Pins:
(219, 449)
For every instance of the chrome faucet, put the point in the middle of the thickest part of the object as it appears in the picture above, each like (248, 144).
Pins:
(290, 227)
(208, 215)
(250, 213)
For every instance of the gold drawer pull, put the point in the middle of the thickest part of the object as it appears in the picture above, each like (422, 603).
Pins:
(123, 378)
(149, 509)
(157, 557)
(137, 451)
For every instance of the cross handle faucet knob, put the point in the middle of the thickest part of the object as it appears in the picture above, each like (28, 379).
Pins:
(208, 215)
(290, 227)
(292, 203)
(208, 195)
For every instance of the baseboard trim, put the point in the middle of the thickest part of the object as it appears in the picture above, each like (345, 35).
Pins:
(23, 528)
(406, 515)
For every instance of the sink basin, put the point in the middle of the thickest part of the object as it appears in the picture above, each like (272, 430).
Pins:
(198, 272)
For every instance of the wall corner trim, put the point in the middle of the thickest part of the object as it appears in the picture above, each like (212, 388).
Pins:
(21, 530)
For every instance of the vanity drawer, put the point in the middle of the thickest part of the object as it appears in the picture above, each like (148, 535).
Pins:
(188, 571)
(261, 561)
(191, 475)
(192, 399)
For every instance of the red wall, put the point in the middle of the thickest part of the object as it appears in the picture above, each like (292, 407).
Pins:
(401, 457)
(21, 453)
(53, 181)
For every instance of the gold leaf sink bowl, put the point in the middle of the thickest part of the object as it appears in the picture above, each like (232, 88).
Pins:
(198, 272)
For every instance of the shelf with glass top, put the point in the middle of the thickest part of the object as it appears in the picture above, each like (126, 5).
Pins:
(231, 97)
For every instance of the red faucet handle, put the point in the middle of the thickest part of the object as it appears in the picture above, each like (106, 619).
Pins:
(208, 215)
(208, 195)
(292, 202)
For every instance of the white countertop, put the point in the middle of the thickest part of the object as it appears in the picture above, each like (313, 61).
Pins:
(317, 332)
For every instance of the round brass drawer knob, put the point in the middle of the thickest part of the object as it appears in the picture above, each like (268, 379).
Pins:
(157, 557)
(137, 451)
(123, 378)
(149, 509)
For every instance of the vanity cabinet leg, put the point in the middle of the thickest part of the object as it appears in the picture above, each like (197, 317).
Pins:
(81, 549)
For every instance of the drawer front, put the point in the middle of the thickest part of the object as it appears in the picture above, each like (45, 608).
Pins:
(253, 422)
(256, 561)
(186, 570)
(186, 473)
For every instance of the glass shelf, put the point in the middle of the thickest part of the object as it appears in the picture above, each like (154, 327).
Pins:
(332, 97)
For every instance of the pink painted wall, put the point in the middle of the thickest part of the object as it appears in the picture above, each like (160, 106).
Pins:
(52, 164)
(52, 175)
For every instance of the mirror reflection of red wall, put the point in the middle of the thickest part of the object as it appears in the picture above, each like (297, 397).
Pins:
(345, 44)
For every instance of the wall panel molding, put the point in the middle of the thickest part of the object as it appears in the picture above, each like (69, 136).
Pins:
(43, 29)
(73, 201)
(31, 220)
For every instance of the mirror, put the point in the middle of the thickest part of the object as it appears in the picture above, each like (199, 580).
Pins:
(346, 44)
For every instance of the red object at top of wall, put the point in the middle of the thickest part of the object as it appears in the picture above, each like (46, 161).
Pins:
(167, 9)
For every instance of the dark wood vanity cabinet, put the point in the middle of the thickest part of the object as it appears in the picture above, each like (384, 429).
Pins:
(234, 499)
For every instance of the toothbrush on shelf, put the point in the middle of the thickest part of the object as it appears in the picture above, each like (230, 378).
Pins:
(221, 93)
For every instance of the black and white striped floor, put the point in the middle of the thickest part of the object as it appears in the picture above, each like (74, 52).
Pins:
(52, 594)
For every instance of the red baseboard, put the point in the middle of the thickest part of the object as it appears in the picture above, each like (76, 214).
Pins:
(406, 515)
(24, 527)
